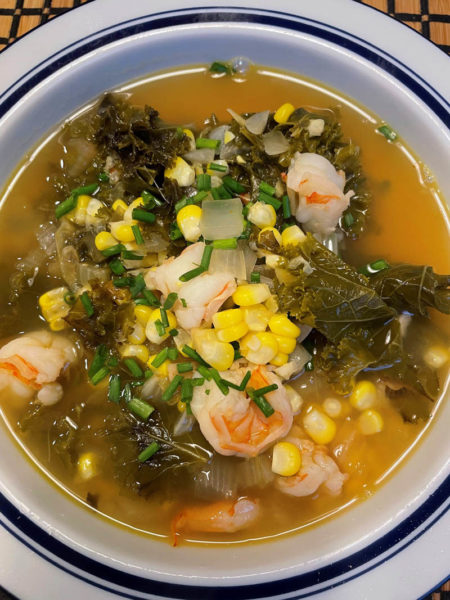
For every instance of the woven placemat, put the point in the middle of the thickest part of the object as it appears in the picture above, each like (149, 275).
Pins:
(431, 18)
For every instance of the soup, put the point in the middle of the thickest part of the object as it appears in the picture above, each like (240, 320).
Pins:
(213, 329)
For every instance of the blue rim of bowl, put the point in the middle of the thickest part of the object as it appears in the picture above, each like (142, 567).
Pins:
(382, 549)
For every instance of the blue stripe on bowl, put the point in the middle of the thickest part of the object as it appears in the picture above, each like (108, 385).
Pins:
(432, 509)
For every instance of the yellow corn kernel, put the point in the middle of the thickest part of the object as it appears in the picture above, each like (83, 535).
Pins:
(228, 318)
(188, 220)
(228, 137)
(78, 214)
(436, 356)
(364, 395)
(181, 406)
(286, 459)
(143, 313)
(162, 370)
(273, 261)
(319, 426)
(190, 135)
(282, 325)
(182, 339)
(271, 303)
(137, 350)
(104, 240)
(283, 113)
(292, 235)
(262, 215)
(251, 293)
(257, 317)
(128, 215)
(137, 336)
(183, 173)
(122, 231)
(370, 422)
(259, 348)
(279, 360)
(87, 465)
(151, 331)
(286, 344)
(54, 308)
(233, 333)
(295, 400)
(119, 206)
(333, 407)
(219, 355)
(276, 234)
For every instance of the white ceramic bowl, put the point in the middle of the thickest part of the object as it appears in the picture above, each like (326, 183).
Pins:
(392, 545)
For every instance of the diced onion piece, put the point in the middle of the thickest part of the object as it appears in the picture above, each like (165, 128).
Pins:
(221, 219)
(298, 360)
(237, 117)
(315, 127)
(275, 143)
(201, 155)
(228, 261)
(249, 258)
(257, 122)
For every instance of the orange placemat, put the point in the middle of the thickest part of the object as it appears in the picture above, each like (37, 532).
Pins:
(431, 18)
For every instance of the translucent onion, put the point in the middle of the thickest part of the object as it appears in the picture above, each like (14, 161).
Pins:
(221, 219)
(183, 424)
(249, 258)
(201, 155)
(257, 122)
(229, 261)
(218, 133)
(237, 117)
(87, 273)
(297, 360)
(275, 143)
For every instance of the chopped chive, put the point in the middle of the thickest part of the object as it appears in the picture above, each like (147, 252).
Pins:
(160, 329)
(172, 353)
(100, 375)
(164, 319)
(186, 391)
(388, 132)
(103, 177)
(98, 361)
(142, 302)
(203, 182)
(148, 374)
(266, 188)
(224, 194)
(87, 304)
(70, 298)
(151, 298)
(185, 367)
(149, 451)
(173, 332)
(206, 143)
(150, 201)
(192, 274)
(188, 351)
(121, 282)
(348, 219)
(228, 244)
(117, 267)
(245, 380)
(140, 408)
(137, 234)
(137, 383)
(255, 277)
(286, 207)
(220, 67)
(175, 233)
(197, 381)
(230, 384)
(171, 388)
(66, 206)
(219, 382)
(181, 204)
(215, 193)
(112, 361)
(112, 250)
(206, 258)
(85, 189)
(266, 390)
(374, 267)
(137, 286)
(199, 196)
(170, 300)
(264, 406)
(133, 367)
(183, 302)
(237, 354)
(126, 392)
(216, 167)
(160, 358)
(143, 215)
(114, 389)
(205, 372)
(130, 255)
(233, 185)
(263, 197)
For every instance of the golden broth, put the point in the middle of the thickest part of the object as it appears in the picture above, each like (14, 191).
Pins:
(407, 223)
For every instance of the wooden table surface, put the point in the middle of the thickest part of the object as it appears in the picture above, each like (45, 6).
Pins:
(431, 18)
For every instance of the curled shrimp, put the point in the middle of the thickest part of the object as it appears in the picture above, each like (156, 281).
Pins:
(317, 469)
(316, 192)
(31, 364)
(233, 424)
(226, 516)
(202, 296)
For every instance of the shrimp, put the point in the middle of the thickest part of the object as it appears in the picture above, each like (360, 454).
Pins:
(316, 192)
(226, 516)
(233, 424)
(31, 363)
(317, 469)
(203, 295)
